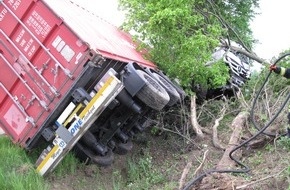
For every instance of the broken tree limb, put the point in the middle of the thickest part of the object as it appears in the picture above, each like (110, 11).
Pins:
(187, 168)
(194, 123)
(184, 174)
(250, 55)
(259, 180)
(215, 140)
(200, 167)
(237, 126)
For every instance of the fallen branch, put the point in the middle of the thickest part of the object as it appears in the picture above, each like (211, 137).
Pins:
(237, 125)
(187, 169)
(250, 55)
(194, 123)
(260, 180)
(184, 174)
(215, 140)
(200, 167)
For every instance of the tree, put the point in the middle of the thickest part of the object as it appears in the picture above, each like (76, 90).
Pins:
(182, 34)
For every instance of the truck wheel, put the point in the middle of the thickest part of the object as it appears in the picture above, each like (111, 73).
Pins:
(88, 157)
(173, 94)
(104, 160)
(123, 148)
(152, 93)
(180, 91)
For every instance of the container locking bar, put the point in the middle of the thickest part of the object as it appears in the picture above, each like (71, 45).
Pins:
(66, 71)
(41, 102)
(18, 104)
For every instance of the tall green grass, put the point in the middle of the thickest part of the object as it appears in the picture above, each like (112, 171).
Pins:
(16, 170)
(143, 174)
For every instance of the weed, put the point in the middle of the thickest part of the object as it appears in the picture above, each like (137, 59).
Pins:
(269, 148)
(154, 130)
(117, 179)
(284, 142)
(67, 166)
(143, 174)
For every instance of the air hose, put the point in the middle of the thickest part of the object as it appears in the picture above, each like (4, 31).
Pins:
(258, 94)
(245, 168)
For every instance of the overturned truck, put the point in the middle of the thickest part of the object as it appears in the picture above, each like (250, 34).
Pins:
(72, 81)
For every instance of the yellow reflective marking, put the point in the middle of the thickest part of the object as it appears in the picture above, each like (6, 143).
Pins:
(91, 103)
(283, 71)
(47, 157)
(72, 114)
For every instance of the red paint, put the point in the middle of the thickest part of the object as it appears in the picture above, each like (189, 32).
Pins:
(68, 33)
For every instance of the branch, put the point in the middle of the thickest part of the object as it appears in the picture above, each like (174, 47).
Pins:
(225, 24)
(200, 167)
(215, 139)
(194, 123)
(250, 55)
(187, 168)
(263, 179)
(237, 126)
(184, 174)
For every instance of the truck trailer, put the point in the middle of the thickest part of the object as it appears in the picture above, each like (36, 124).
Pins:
(72, 81)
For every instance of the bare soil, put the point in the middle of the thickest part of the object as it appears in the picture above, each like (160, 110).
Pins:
(170, 155)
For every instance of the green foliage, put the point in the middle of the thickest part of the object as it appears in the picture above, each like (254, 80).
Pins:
(181, 35)
(16, 170)
(238, 15)
(142, 174)
(67, 166)
(284, 142)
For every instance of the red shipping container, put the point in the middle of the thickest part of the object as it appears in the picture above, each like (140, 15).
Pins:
(43, 48)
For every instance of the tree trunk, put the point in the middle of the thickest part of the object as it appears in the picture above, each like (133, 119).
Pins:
(237, 126)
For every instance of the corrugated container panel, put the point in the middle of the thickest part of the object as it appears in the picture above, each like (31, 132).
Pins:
(40, 59)
(101, 35)
(43, 48)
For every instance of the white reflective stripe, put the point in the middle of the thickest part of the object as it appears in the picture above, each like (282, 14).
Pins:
(65, 114)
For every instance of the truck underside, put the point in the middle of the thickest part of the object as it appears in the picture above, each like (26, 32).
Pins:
(120, 118)
(69, 84)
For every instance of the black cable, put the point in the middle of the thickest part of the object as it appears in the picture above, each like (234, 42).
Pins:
(258, 94)
(246, 168)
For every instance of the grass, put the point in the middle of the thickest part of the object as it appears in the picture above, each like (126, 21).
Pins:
(284, 142)
(16, 170)
(67, 166)
(143, 174)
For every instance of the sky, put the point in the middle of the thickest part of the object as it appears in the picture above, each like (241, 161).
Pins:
(271, 28)
(107, 9)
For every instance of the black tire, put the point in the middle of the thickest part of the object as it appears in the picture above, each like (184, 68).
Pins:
(104, 160)
(152, 93)
(180, 91)
(123, 148)
(89, 157)
(173, 94)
